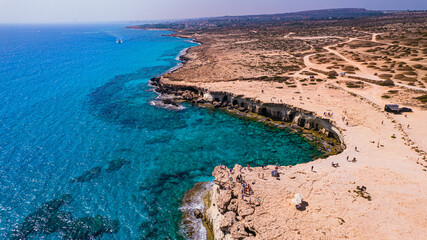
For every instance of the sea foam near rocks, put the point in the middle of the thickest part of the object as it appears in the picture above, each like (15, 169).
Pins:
(192, 203)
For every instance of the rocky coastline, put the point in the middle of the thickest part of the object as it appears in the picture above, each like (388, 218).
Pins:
(321, 132)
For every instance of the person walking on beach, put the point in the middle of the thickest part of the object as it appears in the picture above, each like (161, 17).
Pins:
(312, 168)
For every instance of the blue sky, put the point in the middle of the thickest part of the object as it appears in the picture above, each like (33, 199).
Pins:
(40, 11)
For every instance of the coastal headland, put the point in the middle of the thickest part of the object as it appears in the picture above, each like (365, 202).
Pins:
(330, 76)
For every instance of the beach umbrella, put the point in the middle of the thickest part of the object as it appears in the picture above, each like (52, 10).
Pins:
(297, 199)
(299, 195)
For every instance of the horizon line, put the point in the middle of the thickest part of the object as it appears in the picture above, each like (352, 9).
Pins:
(196, 18)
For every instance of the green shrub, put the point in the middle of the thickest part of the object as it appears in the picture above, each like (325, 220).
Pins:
(386, 83)
(385, 76)
(408, 79)
(410, 73)
(399, 76)
(422, 98)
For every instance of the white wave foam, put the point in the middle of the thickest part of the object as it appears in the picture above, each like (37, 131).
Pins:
(160, 104)
(199, 232)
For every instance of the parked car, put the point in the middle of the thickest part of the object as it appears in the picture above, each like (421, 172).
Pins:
(405, 109)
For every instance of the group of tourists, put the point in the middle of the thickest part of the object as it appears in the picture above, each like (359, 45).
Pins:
(247, 190)
(328, 114)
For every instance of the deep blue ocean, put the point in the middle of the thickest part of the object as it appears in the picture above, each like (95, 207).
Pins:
(82, 153)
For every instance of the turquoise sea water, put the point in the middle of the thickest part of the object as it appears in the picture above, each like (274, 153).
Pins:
(83, 154)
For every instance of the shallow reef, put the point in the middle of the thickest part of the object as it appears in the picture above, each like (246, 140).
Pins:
(88, 175)
(50, 219)
(116, 164)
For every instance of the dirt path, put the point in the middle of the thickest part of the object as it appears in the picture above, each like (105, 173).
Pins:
(363, 72)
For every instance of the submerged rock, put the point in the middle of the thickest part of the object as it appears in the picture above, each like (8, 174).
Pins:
(49, 219)
(91, 228)
(45, 220)
(88, 175)
(117, 164)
